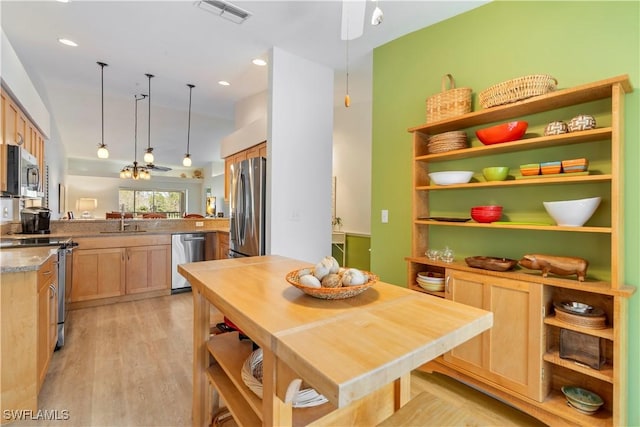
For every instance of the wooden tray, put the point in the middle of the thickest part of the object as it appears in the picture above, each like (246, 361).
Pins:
(491, 263)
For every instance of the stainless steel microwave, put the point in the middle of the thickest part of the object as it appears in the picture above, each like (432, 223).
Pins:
(23, 173)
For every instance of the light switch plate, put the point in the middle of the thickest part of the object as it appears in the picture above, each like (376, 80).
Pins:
(384, 216)
(199, 223)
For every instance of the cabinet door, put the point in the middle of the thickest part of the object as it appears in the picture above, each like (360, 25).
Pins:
(222, 245)
(148, 268)
(44, 308)
(510, 353)
(97, 273)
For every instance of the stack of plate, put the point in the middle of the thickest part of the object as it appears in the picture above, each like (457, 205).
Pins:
(447, 141)
(430, 281)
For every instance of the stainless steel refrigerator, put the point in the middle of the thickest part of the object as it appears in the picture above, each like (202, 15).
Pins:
(247, 208)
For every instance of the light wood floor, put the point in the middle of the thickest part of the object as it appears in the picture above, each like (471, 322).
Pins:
(130, 364)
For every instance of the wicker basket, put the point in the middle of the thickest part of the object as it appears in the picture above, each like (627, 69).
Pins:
(341, 292)
(448, 103)
(517, 90)
(251, 374)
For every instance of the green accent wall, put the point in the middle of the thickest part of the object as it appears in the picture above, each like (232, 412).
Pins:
(358, 252)
(576, 42)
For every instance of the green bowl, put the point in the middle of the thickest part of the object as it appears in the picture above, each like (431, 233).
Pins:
(496, 173)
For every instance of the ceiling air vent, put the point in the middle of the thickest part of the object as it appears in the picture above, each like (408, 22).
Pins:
(225, 10)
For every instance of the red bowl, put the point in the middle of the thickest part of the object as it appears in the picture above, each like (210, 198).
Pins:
(490, 208)
(486, 217)
(505, 132)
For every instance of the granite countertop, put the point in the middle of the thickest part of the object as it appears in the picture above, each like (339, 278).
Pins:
(24, 259)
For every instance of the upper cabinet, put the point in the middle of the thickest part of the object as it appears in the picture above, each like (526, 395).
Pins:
(523, 301)
(259, 150)
(17, 129)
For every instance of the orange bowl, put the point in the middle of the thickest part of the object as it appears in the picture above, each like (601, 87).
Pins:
(506, 132)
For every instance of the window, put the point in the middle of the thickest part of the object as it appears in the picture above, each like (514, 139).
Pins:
(140, 202)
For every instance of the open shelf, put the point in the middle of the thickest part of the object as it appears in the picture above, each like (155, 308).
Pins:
(604, 374)
(556, 403)
(516, 226)
(539, 180)
(606, 333)
(239, 407)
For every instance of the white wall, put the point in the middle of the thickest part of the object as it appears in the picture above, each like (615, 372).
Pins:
(352, 166)
(299, 157)
(251, 109)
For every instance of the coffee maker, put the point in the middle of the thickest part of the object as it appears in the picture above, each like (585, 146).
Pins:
(35, 220)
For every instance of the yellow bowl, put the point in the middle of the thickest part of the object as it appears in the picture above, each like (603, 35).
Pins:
(495, 173)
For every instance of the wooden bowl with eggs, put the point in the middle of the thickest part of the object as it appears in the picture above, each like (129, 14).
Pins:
(328, 281)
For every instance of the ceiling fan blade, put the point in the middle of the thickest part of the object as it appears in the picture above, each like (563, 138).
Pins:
(158, 168)
(353, 12)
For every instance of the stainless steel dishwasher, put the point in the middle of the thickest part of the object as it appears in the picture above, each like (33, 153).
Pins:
(187, 247)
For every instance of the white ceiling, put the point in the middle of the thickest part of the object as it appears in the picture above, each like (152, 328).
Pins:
(180, 43)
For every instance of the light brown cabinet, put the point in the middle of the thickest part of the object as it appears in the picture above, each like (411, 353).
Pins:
(97, 273)
(17, 129)
(28, 327)
(259, 150)
(148, 268)
(109, 269)
(510, 353)
(47, 316)
(525, 325)
(222, 245)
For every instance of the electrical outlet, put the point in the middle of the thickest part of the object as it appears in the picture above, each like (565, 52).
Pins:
(384, 216)
(199, 223)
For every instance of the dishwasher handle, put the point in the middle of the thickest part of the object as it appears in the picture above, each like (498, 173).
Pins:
(192, 239)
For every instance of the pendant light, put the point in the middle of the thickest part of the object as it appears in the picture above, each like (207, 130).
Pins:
(148, 155)
(347, 98)
(103, 153)
(135, 171)
(186, 162)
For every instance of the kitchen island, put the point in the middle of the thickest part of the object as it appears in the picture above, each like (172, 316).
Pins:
(357, 352)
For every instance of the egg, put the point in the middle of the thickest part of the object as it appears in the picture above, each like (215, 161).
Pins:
(310, 281)
(331, 280)
(353, 277)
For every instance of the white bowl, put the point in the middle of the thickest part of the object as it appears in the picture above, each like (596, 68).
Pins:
(572, 213)
(451, 177)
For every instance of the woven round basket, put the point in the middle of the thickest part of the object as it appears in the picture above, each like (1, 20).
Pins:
(450, 102)
(517, 89)
(341, 292)
(252, 377)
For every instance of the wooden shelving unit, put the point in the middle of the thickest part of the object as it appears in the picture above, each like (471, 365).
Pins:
(610, 381)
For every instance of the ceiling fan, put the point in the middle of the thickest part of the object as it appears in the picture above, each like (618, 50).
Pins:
(158, 167)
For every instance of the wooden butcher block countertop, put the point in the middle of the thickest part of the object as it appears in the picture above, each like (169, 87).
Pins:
(344, 348)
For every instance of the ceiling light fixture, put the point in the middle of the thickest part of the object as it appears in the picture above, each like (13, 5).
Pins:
(148, 155)
(224, 83)
(186, 162)
(135, 171)
(103, 153)
(259, 62)
(225, 10)
(378, 16)
(68, 42)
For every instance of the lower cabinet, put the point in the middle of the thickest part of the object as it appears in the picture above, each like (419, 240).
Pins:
(47, 317)
(510, 353)
(148, 268)
(97, 273)
(108, 267)
(222, 245)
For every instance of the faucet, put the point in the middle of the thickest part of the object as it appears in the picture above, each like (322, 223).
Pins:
(122, 224)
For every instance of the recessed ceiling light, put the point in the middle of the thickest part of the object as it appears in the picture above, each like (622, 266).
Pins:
(63, 1)
(224, 83)
(68, 42)
(259, 62)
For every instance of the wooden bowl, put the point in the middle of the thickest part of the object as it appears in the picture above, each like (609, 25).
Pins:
(491, 263)
(332, 293)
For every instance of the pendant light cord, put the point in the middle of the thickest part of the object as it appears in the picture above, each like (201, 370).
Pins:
(135, 136)
(102, 65)
(149, 115)
(189, 123)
